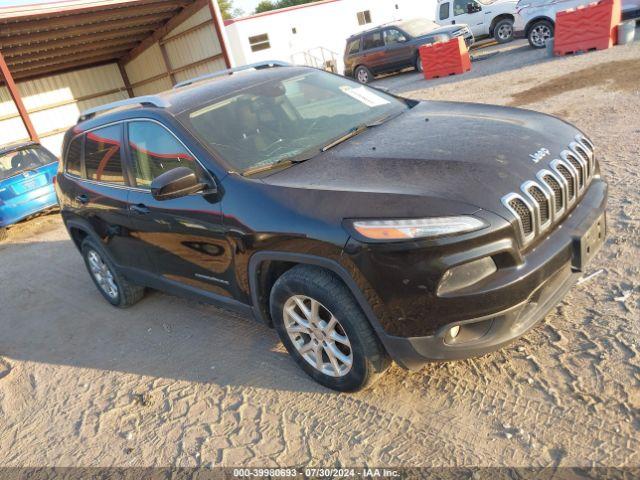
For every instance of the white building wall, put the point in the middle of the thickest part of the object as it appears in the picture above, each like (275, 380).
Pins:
(322, 27)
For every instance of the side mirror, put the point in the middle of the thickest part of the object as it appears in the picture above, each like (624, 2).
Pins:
(179, 182)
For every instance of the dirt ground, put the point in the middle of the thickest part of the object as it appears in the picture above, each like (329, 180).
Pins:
(170, 382)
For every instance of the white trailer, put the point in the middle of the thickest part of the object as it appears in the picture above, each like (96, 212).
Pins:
(315, 33)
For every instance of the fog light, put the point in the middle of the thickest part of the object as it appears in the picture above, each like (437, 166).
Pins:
(465, 275)
(453, 331)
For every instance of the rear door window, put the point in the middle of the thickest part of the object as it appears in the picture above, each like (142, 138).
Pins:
(102, 157)
(74, 157)
(444, 11)
(373, 40)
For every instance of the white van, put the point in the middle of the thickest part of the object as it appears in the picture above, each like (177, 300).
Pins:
(484, 17)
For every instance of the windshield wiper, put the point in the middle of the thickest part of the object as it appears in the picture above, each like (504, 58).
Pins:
(283, 162)
(358, 130)
(350, 134)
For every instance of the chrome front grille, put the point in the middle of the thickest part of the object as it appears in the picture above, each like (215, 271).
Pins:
(541, 202)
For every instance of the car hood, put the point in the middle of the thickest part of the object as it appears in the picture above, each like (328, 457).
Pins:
(452, 157)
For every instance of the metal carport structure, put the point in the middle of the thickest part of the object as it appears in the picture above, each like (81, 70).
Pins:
(60, 58)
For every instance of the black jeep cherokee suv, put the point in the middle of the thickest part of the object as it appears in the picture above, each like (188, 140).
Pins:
(348, 219)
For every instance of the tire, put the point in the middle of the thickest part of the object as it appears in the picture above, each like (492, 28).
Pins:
(363, 75)
(503, 31)
(114, 287)
(353, 367)
(3, 234)
(539, 32)
(418, 64)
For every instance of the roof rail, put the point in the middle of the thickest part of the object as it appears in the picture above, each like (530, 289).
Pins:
(145, 100)
(221, 73)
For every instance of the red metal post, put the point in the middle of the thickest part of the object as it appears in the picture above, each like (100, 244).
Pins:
(17, 99)
(218, 24)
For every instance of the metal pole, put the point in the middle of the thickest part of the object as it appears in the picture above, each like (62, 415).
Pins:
(17, 99)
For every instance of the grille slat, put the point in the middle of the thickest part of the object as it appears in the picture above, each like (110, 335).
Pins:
(585, 157)
(524, 213)
(564, 171)
(540, 197)
(578, 166)
(557, 191)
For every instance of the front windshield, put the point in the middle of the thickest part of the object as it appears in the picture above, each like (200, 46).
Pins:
(283, 119)
(418, 26)
(17, 161)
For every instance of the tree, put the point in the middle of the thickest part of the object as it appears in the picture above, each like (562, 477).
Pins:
(226, 8)
(266, 5)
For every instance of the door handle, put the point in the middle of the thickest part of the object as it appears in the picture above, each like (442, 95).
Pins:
(139, 209)
(453, 22)
(83, 199)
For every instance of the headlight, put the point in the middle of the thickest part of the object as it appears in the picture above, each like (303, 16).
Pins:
(417, 228)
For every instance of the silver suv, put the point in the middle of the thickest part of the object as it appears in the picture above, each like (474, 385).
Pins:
(536, 18)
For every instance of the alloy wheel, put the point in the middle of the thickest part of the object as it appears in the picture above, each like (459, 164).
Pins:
(505, 32)
(363, 76)
(539, 35)
(318, 336)
(102, 274)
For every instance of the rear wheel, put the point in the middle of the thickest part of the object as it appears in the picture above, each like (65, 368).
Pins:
(325, 331)
(3, 234)
(503, 31)
(114, 287)
(539, 32)
(363, 74)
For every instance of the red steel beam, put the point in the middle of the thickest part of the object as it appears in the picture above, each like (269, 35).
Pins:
(17, 99)
(218, 26)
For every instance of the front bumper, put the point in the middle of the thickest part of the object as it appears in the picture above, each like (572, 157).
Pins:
(494, 314)
(486, 334)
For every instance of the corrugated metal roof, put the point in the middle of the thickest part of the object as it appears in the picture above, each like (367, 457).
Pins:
(40, 40)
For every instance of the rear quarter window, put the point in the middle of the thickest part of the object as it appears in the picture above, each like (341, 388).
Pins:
(73, 161)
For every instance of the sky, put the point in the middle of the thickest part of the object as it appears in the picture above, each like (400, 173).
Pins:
(247, 5)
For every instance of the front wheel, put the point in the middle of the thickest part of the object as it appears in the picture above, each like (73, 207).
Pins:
(503, 31)
(418, 64)
(363, 74)
(325, 331)
(539, 33)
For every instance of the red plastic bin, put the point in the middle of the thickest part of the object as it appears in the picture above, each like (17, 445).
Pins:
(590, 27)
(445, 58)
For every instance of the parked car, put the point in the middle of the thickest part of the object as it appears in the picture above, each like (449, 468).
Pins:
(484, 17)
(394, 46)
(27, 171)
(350, 220)
(536, 18)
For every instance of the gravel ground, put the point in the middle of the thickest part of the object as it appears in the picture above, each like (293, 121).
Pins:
(170, 382)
